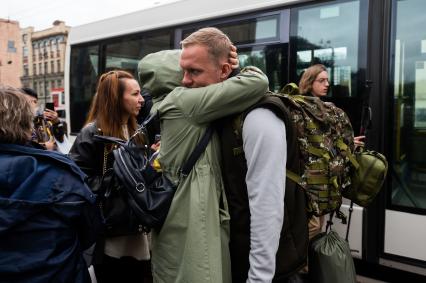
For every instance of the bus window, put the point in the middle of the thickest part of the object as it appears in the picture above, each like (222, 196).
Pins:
(409, 93)
(261, 41)
(272, 60)
(254, 30)
(83, 76)
(329, 34)
(126, 53)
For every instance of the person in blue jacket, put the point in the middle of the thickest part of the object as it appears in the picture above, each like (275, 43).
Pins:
(48, 215)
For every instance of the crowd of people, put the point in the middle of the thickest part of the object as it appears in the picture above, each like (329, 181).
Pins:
(234, 218)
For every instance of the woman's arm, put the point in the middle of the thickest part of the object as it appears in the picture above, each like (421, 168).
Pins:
(215, 101)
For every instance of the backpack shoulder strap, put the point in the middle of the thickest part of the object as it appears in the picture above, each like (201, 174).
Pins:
(274, 103)
(291, 89)
(277, 103)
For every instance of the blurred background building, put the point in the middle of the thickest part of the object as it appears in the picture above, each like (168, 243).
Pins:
(10, 53)
(43, 58)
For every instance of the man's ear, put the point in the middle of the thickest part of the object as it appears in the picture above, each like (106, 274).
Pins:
(225, 71)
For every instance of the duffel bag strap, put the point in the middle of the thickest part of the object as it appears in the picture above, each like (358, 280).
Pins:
(343, 147)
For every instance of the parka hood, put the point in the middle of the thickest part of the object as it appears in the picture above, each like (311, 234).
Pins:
(159, 73)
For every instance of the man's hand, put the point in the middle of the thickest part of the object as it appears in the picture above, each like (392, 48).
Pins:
(233, 58)
(51, 115)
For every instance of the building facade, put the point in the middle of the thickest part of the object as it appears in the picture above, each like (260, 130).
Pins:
(43, 59)
(10, 53)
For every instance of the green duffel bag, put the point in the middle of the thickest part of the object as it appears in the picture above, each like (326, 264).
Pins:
(330, 259)
(367, 177)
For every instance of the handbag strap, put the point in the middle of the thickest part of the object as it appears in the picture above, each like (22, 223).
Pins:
(105, 160)
(108, 139)
(199, 149)
(149, 118)
(189, 164)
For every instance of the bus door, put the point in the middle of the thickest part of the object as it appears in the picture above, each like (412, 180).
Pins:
(333, 34)
(405, 218)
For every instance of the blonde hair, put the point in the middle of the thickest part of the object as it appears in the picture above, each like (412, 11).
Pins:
(309, 76)
(217, 43)
(16, 116)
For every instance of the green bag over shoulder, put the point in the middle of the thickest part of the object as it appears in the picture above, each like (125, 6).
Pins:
(367, 178)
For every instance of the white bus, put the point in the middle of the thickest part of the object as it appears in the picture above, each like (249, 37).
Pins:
(375, 51)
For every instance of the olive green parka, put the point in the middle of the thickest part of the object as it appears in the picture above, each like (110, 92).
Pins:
(192, 245)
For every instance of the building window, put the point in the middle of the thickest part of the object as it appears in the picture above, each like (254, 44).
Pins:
(35, 86)
(59, 83)
(40, 88)
(58, 65)
(24, 38)
(52, 84)
(25, 51)
(45, 68)
(11, 46)
(40, 71)
(26, 70)
(52, 66)
(34, 69)
(58, 53)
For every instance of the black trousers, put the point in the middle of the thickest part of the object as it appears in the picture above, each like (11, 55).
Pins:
(125, 269)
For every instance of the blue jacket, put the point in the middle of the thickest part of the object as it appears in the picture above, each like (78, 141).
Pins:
(48, 217)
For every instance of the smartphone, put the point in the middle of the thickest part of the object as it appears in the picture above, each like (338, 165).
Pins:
(50, 106)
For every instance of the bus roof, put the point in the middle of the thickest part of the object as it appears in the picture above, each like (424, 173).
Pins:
(179, 12)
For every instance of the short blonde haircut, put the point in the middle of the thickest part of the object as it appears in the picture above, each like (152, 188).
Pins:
(309, 76)
(16, 116)
(217, 43)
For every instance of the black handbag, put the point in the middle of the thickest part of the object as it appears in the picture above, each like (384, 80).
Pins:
(148, 193)
(119, 219)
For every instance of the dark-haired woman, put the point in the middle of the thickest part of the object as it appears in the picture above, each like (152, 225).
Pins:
(120, 257)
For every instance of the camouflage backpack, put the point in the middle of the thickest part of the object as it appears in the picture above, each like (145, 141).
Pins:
(325, 139)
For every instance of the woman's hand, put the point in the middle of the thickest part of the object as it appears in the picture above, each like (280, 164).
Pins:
(155, 146)
(233, 58)
(358, 141)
